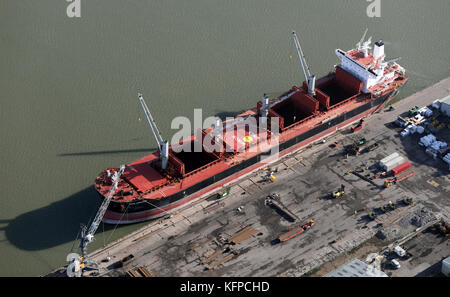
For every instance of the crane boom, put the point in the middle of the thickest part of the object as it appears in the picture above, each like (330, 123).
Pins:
(360, 43)
(301, 57)
(163, 145)
(310, 79)
(151, 122)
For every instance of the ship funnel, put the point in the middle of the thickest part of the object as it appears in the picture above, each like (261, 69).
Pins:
(378, 50)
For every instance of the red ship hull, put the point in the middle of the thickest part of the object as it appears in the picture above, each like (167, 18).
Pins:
(146, 191)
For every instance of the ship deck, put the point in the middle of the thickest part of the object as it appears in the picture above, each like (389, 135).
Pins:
(338, 94)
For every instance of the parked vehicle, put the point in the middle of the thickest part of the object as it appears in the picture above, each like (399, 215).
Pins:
(395, 264)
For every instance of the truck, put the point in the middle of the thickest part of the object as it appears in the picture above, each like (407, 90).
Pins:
(399, 251)
(413, 111)
(395, 264)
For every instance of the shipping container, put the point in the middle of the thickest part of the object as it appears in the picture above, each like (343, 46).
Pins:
(388, 158)
(400, 168)
(393, 163)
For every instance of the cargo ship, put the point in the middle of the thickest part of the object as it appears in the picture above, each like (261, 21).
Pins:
(169, 179)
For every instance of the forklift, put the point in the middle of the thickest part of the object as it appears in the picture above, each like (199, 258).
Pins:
(339, 193)
(355, 148)
(407, 200)
(360, 142)
(413, 111)
(372, 215)
(358, 127)
(391, 205)
(223, 194)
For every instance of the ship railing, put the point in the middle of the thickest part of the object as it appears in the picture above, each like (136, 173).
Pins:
(298, 123)
(343, 102)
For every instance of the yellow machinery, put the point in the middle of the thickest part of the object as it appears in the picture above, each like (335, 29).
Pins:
(272, 178)
(391, 205)
(339, 193)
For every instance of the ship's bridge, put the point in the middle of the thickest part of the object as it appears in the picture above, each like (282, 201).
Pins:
(368, 67)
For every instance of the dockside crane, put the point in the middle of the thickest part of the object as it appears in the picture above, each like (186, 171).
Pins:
(163, 145)
(78, 264)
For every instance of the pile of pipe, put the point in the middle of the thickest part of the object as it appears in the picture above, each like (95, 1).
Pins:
(426, 112)
(411, 129)
(418, 218)
(447, 158)
(428, 140)
(437, 145)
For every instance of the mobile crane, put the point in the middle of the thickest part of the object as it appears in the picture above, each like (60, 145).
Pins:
(79, 264)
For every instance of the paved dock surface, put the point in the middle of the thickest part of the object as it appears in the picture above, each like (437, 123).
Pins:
(213, 238)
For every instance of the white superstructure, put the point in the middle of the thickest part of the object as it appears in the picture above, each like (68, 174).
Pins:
(369, 67)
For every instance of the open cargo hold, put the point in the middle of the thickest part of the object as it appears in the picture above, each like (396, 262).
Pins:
(296, 109)
(400, 168)
(337, 88)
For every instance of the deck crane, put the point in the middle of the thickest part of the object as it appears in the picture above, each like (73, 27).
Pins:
(360, 43)
(364, 45)
(163, 145)
(310, 79)
(78, 264)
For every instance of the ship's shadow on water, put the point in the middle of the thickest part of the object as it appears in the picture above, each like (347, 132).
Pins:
(94, 153)
(55, 224)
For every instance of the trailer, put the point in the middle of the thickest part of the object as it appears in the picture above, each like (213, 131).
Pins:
(400, 168)
(295, 231)
(358, 127)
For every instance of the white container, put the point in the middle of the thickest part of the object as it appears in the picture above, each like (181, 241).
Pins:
(420, 129)
(393, 163)
(388, 158)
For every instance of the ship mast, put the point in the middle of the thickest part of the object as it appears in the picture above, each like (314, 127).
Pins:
(310, 79)
(163, 145)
